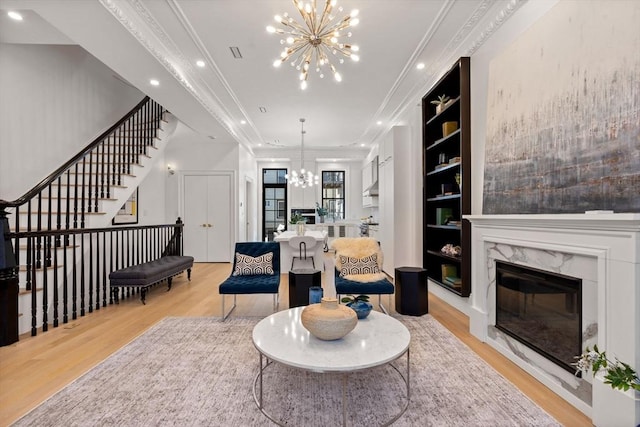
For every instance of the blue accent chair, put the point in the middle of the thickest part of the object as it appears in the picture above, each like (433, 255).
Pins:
(358, 247)
(253, 284)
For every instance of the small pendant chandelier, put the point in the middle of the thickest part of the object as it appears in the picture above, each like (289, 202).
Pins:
(304, 178)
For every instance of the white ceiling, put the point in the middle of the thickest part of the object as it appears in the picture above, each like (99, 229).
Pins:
(162, 39)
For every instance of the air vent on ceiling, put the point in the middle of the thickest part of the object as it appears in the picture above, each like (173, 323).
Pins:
(235, 51)
(262, 109)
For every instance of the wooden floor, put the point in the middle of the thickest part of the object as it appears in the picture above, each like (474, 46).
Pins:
(36, 367)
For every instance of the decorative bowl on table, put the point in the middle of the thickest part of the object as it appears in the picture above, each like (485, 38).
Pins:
(362, 308)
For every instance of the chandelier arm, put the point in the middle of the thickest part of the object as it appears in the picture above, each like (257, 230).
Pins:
(329, 30)
(291, 51)
(326, 12)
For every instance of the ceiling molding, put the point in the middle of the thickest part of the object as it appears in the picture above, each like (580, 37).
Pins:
(500, 19)
(443, 63)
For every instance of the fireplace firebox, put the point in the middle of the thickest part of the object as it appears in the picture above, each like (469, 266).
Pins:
(540, 309)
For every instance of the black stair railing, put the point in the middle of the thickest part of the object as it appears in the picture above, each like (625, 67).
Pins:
(64, 199)
(48, 223)
(77, 280)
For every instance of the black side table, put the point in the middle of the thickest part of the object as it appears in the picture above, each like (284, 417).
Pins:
(411, 291)
(300, 280)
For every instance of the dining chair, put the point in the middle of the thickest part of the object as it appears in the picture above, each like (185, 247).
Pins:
(304, 246)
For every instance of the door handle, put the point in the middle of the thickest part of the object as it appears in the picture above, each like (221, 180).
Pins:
(203, 225)
(209, 225)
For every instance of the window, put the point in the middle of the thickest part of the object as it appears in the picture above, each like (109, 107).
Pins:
(274, 198)
(333, 193)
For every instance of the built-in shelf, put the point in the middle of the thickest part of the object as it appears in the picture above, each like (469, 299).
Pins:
(441, 145)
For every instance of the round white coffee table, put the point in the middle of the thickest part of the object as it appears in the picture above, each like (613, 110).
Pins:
(377, 340)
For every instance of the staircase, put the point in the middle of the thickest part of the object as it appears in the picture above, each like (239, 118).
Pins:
(63, 241)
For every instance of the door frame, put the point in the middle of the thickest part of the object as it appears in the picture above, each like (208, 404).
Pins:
(233, 210)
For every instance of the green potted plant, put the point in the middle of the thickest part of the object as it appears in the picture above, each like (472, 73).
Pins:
(322, 212)
(298, 220)
(297, 217)
(359, 304)
(440, 103)
(618, 374)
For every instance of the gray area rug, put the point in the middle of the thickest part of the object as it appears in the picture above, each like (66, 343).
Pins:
(200, 372)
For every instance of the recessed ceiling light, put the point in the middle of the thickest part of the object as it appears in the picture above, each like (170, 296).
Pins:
(14, 15)
(420, 66)
(243, 122)
(362, 145)
(200, 63)
(259, 144)
(379, 122)
(154, 82)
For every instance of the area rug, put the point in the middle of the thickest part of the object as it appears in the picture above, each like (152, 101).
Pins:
(200, 372)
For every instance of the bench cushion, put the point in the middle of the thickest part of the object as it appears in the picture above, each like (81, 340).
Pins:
(150, 272)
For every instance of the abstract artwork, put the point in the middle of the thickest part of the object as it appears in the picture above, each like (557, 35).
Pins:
(563, 114)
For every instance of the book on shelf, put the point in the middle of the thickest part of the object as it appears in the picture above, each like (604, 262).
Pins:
(442, 215)
(449, 270)
(453, 280)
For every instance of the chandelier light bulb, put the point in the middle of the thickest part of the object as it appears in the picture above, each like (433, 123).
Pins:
(338, 77)
(303, 85)
(316, 37)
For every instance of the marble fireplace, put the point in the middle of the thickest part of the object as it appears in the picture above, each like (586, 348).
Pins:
(602, 250)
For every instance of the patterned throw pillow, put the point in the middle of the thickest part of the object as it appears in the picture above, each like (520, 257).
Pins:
(366, 265)
(246, 265)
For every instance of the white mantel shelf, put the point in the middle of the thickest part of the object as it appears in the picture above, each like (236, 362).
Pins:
(593, 221)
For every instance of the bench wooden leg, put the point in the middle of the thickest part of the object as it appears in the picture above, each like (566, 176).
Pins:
(169, 279)
(189, 274)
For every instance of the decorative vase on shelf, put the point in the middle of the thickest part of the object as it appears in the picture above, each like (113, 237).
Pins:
(362, 308)
(300, 228)
(328, 320)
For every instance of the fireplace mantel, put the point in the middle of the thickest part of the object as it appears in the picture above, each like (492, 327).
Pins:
(586, 221)
(602, 249)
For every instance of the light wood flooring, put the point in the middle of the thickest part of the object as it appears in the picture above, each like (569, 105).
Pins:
(36, 367)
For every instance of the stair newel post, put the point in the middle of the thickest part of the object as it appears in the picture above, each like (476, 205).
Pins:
(8, 284)
(179, 237)
(29, 248)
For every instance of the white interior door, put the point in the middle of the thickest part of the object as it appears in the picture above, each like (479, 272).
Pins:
(219, 218)
(207, 207)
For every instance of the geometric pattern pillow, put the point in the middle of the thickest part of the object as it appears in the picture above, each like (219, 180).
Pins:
(246, 265)
(366, 265)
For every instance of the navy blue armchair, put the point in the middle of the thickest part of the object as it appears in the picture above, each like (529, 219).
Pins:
(253, 283)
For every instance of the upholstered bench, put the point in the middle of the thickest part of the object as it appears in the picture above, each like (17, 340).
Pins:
(149, 273)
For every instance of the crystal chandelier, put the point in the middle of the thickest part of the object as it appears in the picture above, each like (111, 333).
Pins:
(303, 178)
(317, 40)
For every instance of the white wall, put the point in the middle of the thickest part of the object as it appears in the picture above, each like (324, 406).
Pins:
(189, 151)
(248, 185)
(54, 101)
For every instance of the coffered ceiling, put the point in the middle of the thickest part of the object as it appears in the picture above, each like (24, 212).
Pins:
(162, 39)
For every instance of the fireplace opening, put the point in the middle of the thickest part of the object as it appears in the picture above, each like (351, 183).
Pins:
(542, 310)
